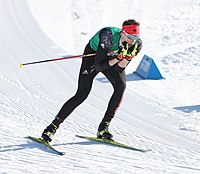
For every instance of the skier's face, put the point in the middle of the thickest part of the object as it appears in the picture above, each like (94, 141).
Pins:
(129, 38)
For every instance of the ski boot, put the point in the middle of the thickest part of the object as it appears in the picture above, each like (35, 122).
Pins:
(103, 132)
(49, 132)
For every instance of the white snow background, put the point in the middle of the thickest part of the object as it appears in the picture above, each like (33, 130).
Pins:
(162, 115)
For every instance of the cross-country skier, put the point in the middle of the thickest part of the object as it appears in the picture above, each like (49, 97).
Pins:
(114, 48)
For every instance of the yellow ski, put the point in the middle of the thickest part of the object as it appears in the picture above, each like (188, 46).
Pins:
(46, 143)
(112, 142)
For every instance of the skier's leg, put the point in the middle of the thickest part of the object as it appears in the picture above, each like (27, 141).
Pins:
(118, 81)
(84, 88)
(86, 76)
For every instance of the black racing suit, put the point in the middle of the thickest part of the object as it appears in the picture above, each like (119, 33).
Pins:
(90, 67)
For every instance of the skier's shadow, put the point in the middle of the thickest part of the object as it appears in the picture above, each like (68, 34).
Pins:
(129, 77)
(85, 142)
(17, 147)
(29, 145)
(14, 147)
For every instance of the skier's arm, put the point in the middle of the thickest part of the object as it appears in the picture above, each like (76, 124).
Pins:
(101, 60)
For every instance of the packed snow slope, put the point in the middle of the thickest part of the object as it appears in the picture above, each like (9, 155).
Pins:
(162, 115)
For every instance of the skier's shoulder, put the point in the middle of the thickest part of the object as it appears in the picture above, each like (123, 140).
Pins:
(109, 30)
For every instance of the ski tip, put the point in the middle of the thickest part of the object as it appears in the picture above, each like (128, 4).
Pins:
(147, 150)
(62, 153)
(80, 136)
(29, 137)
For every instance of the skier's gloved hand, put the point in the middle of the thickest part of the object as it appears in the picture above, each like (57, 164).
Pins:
(132, 51)
(123, 52)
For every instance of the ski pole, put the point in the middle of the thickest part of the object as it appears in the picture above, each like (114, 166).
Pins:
(55, 59)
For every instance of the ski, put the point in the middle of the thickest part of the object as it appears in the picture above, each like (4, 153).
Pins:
(112, 142)
(46, 143)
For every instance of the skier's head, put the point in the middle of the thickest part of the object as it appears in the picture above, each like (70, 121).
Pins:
(130, 31)
(131, 27)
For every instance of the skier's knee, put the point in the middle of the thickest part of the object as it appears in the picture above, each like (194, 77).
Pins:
(120, 87)
(81, 95)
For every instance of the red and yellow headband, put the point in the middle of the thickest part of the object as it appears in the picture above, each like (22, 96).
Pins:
(131, 29)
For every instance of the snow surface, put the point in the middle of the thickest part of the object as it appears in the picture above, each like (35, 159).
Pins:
(162, 115)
